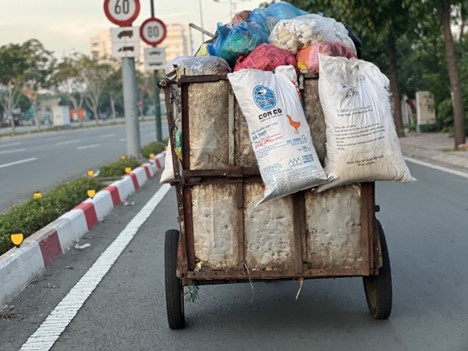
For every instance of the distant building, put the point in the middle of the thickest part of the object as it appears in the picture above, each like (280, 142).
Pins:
(176, 44)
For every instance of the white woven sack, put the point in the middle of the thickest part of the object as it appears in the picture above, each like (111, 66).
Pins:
(362, 144)
(278, 130)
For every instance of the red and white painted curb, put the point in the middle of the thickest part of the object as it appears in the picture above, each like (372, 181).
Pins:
(21, 265)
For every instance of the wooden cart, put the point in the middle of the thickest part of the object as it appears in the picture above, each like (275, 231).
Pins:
(223, 237)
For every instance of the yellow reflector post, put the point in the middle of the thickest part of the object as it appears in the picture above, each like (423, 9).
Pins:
(91, 193)
(37, 195)
(151, 155)
(17, 239)
(90, 173)
(128, 170)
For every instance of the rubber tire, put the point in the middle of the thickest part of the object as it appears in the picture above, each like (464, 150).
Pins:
(378, 288)
(174, 287)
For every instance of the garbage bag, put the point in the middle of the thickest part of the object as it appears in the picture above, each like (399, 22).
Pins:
(307, 58)
(362, 144)
(357, 42)
(283, 11)
(196, 66)
(240, 17)
(241, 39)
(278, 130)
(259, 18)
(266, 57)
(299, 32)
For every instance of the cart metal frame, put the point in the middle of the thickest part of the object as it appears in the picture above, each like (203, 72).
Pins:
(375, 267)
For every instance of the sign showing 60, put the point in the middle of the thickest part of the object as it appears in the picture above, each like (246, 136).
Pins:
(122, 12)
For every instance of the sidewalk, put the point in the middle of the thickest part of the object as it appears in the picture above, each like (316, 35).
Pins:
(436, 148)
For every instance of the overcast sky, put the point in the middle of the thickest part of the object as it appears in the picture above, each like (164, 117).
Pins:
(67, 25)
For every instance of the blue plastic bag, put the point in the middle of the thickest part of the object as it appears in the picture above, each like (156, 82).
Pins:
(260, 18)
(238, 40)
(283, 11)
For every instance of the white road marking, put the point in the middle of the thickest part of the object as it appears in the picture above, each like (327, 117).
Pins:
(10, 144)
(439, 168)
(88, 146)
(68, 142)
(106, 136)
(56, 138)
(50, 330)
(12, 151)
(18, 162)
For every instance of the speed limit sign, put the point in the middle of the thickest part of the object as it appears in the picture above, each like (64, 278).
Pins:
(153, 31)
(122, 12)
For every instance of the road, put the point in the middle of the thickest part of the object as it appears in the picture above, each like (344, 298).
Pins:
(426, 228)
(40, 161)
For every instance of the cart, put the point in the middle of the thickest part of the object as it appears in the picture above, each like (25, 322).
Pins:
(224, 238)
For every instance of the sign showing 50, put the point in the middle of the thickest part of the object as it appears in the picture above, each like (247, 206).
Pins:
(153, 31)
(122, 12)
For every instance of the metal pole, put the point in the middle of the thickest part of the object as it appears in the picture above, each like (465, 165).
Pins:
(130, 107)
(157, 101)
(201, 19)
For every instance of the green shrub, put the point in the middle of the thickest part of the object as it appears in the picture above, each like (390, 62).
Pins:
(35, 214)
(117, 168)
(153, 148)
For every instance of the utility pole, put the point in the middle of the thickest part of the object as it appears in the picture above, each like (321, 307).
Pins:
(124, 14)
(130, 107)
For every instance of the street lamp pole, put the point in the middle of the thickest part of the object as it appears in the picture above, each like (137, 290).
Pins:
(157, 101)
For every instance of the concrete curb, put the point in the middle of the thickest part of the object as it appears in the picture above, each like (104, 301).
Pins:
(19, 266)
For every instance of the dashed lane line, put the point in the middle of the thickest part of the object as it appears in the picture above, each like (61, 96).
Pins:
(88, 146)
(18, 162)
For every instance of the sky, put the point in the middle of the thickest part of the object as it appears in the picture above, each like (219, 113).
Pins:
(64, 26)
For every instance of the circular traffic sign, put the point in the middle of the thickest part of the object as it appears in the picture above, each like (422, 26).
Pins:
(153, 31)
(122, 12)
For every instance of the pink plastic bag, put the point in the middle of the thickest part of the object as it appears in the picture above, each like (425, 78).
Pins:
(266, 57)
(307, 58)
(240, 17)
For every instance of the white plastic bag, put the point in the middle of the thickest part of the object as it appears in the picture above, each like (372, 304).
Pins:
(196, 66)
(299, 32)
(278, 130)
(362, 144)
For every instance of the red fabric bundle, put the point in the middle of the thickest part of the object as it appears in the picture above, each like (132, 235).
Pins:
(266, 57)
(307, 58)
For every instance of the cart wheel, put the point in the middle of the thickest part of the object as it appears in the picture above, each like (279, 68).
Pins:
(378, 288)
(174, 288)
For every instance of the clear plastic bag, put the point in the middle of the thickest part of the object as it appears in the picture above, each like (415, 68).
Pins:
(299, 32)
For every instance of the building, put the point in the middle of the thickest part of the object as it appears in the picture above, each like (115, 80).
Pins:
(176, 44)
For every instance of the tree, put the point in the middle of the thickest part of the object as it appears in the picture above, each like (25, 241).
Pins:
(114, 88)
(94, 75)
(40, 65)
(458, 109)
(69, 81)
(24, 68)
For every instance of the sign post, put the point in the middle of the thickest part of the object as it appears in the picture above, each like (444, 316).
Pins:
(153, 31)
(125, 45)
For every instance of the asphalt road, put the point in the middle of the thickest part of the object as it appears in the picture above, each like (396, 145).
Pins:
(426, 228)
(38, 162)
